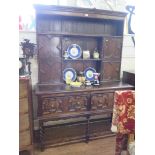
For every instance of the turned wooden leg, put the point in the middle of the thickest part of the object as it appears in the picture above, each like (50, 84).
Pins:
(41, 136)
(87, 129)
(111, 115)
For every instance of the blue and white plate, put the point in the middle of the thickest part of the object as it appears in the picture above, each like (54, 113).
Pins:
(69, 72)
(74, 51)
(88, 73)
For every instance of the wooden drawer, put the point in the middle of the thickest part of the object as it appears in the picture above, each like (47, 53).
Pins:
(23, 105)
(24, 138)
(23, 89)
(101, 101)
(68, 104)
(23, 122)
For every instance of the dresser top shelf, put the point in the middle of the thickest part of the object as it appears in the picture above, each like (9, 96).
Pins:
(63, 88)
(79, 12)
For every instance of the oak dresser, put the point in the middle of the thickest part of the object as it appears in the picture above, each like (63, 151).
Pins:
(57, 29)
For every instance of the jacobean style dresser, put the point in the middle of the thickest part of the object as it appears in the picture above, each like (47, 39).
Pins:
(25, 116)
(58, 28)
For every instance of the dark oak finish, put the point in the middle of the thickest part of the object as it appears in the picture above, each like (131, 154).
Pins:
(60, 102)
(25, 116)
(111, 71)
(129, 77)
(112, 48)
(57, 28)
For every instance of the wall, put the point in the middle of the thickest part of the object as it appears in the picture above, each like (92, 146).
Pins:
(128, 54)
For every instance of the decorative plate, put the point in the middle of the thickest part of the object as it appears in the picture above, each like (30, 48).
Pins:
(74, 51)
(69, 72)
(88, 73)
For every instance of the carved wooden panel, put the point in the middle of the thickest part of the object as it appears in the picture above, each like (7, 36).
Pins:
(52, 105)
(77, 103)
(57, 105)
(49, 59)
(101, 101)
(111, 71)
(112, 47)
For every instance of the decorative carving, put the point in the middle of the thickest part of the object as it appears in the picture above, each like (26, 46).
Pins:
(77, 103)
(112, 48)
(111, 71)
(52, 105)
(28, 51)
(64, 105)
(49, 59)
(101, 101)
(28, 48)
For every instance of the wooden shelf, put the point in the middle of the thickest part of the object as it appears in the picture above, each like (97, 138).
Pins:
(65, 34)
(82, 59)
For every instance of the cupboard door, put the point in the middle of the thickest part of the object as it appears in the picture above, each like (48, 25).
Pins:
(101, 101)
(49, 56)
(112, 47)
(111, 71)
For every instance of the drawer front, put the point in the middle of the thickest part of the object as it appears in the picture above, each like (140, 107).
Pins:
(22, 89)
(24, 138)
(102, 101)
(23, 122)
(55, 105)
(23, 105)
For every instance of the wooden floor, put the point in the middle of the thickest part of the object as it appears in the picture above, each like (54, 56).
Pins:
(104, 146)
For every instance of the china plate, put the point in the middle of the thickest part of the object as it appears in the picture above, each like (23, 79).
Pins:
(74, 51)
(88, 73)
(69, 72)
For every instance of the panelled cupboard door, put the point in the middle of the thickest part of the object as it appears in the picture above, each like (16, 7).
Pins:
(112, 47)
(49, 59)
(111, 71)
